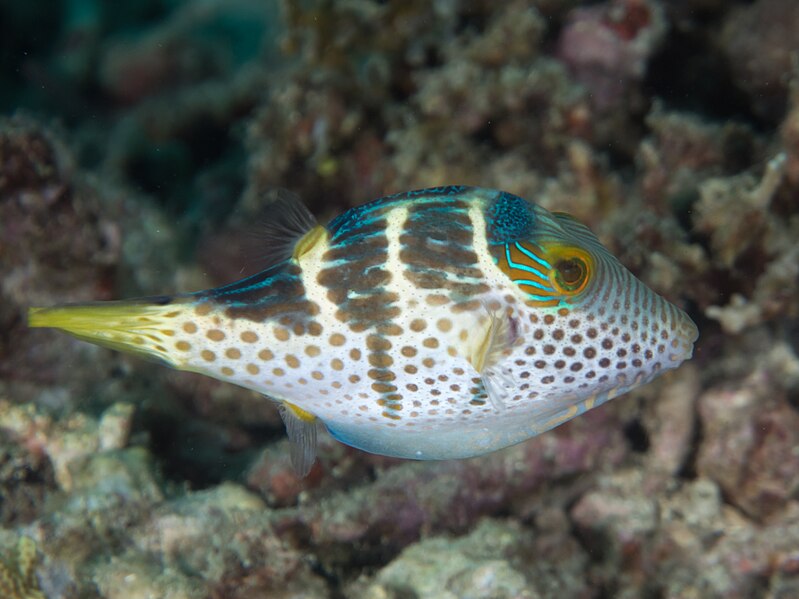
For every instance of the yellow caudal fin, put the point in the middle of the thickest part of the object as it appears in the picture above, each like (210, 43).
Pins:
(142, 326)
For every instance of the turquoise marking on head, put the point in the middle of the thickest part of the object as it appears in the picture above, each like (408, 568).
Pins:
(509, 218)
(525, 268)
(544, 264)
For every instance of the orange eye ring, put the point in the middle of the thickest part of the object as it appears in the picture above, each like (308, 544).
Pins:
(572, 268)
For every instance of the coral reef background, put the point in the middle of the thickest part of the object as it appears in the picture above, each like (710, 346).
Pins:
(138, 140)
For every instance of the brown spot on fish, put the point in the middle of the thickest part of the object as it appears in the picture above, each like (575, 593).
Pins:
(418, 325)
(381, 387)
(436, 299)
(249, 336)
(376, 343)
(381, 375)
(469, 305)
(389, 329)
(381, 360)
(215, 335)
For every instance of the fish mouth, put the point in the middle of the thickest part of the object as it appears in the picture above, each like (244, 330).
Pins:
(689, 329)
(688, 334)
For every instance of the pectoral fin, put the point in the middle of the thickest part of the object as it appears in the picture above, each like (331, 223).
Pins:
(301, 430)
(498, 337)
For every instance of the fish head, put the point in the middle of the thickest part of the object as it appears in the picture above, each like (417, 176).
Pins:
(595, 328)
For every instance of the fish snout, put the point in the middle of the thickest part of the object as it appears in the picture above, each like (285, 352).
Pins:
(687, 334)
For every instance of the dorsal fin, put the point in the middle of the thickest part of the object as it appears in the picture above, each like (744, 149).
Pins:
(286, 220)
(301, 431)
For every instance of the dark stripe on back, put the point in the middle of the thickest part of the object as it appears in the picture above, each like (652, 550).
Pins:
(356, 218)
(437, 249)
(275, 293)
(355, 275)
(436, 241)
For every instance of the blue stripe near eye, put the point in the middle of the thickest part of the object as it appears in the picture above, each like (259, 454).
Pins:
(524, 267)
(532, 284)
(532, 256)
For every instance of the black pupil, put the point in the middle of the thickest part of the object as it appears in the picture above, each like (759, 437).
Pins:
(571, 271)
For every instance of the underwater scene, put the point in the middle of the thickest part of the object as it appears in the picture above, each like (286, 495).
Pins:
(361, 299)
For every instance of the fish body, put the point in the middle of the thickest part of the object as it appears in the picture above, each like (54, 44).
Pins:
(434, 324)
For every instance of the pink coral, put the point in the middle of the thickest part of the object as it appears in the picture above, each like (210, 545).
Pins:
(607, 46)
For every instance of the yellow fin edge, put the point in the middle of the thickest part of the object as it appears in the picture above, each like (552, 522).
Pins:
(299, 412)
(309, 241)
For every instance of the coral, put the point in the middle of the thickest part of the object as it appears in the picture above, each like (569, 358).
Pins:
(26, 482)
(66, 442)
(683, 543)
(669, 420)
(790, 134)
(477, 565)
(464, 92)
(607, 46)
(751, 434)
(759, 41)
(18, 572)
(682, 150)
(744, 234)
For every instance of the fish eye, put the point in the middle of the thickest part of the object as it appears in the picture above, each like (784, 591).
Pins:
(570, 272)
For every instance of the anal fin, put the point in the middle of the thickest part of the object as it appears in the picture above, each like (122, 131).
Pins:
(301, 431)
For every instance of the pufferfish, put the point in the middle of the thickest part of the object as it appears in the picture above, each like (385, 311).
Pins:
(434, 324)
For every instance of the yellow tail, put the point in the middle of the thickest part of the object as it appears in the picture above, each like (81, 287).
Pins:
(142, 326)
